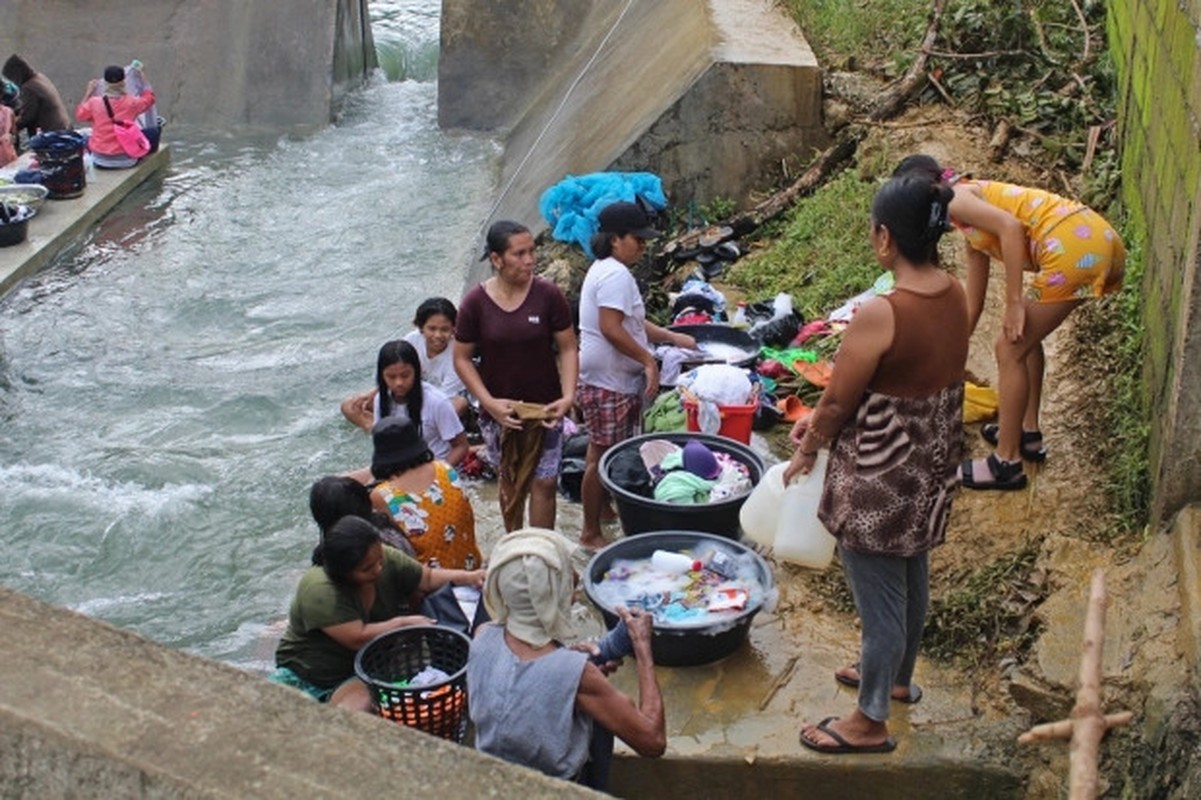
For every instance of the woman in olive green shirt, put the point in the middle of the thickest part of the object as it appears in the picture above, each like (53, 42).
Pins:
(357, 589)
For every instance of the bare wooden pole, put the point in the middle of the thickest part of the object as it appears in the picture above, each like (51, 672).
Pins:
(1086, 725)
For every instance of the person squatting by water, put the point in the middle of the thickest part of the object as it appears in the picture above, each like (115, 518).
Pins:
(106, 107)
(537, 703)
(892, 418)
(423, 497)
(39, 107)
(618, 370)
(356, 589)
(1075, 255)
(520, 328)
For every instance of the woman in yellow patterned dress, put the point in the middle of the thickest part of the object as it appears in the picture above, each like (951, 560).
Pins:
(1074, 253)
(423, 496)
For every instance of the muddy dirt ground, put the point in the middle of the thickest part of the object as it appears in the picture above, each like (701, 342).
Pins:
(1056, 522)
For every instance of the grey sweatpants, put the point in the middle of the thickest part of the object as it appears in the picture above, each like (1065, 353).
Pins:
(891, 594)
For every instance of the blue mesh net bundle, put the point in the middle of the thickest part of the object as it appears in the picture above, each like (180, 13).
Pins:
(572, 205)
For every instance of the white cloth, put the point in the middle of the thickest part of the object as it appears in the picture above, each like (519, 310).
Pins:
(529, 585)
(609, 284)
(723, 384)
(437, 370)
(439, 421)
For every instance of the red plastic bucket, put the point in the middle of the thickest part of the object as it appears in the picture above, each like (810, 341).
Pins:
(736, 421)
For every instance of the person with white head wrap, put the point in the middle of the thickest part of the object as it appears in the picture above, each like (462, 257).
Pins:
(535, 702)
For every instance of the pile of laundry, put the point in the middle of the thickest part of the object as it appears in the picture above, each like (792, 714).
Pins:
(716, 585)
(689, 475)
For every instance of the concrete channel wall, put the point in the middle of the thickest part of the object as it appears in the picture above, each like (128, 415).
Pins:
(215, 65)
(88, 710)
(1157, 47)
(714, 96)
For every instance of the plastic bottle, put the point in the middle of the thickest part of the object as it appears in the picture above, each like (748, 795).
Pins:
(761, 511)
(673, 563)
(800, 536)
(740, 320)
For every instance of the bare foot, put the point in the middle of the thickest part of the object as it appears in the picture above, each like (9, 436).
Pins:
(593, 542)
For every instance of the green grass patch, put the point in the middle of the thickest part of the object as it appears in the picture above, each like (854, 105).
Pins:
(837, 29)
(1108, 349)
(821, 256)
(987, 615)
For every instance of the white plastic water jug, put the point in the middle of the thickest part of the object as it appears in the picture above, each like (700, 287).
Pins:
(800, 536)
(761, 509)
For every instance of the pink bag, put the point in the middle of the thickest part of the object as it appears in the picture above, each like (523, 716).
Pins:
(131, 138)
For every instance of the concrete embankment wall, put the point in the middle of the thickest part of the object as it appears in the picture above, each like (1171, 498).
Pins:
(1157, 47)
(87, 710)
(216, 65)
(711, 95)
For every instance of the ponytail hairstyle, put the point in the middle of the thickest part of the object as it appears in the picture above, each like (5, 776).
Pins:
(398, 351)
(344, 546)
(914, 208)
(497, 240)
(432, 307)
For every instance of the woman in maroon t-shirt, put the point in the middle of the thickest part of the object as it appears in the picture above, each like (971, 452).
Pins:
(520, 327)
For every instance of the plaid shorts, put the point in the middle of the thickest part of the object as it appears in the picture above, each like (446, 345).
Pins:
(552, 447)
(611, 417)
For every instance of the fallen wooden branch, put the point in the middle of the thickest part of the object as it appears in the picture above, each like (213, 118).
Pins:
(892, 102)
(1086, 725)
(1063, 728)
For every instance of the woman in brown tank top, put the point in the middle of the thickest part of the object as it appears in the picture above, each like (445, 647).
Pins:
(891, 417)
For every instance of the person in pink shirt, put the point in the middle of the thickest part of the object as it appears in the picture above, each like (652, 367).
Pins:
(114, 104)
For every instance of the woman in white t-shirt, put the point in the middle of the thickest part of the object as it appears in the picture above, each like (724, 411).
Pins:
(435, 329)
(401, 392)
(617, 367)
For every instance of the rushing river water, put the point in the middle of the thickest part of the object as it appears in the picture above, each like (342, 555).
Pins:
(169, 391)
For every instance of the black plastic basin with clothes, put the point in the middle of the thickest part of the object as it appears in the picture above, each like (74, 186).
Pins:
(692, 645)
(640, 514)
(728, 344)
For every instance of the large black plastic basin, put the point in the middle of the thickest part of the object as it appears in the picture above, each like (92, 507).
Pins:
(640, 514)
(683, 646)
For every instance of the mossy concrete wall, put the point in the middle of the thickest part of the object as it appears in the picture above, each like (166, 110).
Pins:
(1156, 45)
(717, 97)
(219, 65)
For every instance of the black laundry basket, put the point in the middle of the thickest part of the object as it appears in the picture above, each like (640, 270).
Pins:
(60, 160)
(391, 659)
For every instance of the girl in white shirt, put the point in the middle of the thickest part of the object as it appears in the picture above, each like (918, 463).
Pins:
(435, 329)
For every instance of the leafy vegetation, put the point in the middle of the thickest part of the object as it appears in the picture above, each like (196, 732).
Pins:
(987, 615)
(1109, 348)
(821, 254)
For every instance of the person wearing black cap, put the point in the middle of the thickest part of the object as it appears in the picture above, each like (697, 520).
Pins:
(617, 367)
(110, 107)
(39, 106)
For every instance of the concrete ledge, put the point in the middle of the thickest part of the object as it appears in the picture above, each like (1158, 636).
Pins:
(88, 710)
(712, 95)
(1186, 538)
(59, 223)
